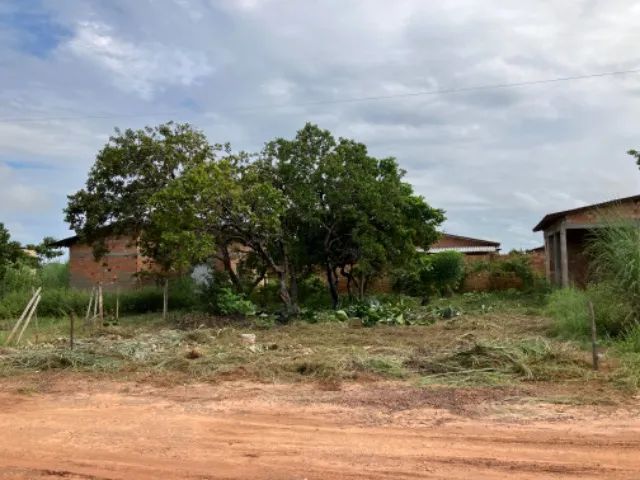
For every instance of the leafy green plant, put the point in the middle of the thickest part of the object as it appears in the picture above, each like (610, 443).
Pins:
(439, 273)
(218, 297)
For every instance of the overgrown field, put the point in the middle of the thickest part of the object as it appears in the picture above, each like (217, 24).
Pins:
(486, 340)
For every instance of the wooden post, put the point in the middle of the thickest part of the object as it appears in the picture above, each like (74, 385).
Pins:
(100, 304)
(117, 303)
(165, 299)
(35, 320)
(72, 317)
(594, 345)
(28, 319)
(87, 316)
(24, 313)
(564, 256)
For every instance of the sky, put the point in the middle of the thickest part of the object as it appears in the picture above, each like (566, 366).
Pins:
(246, 71)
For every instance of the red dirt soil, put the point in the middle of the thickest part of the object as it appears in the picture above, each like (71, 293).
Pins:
(74, 428)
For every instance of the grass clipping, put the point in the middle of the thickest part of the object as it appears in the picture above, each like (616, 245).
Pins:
(534, 359)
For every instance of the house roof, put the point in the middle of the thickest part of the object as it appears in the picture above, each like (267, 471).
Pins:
(65, 242)
(472, 242)
(551, 218)
(459, 243)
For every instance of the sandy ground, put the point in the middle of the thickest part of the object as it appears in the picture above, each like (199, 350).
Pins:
(76, 428)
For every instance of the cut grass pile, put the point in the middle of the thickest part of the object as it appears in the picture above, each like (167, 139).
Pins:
(492, 349)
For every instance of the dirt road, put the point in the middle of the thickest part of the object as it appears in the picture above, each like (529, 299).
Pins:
(79, 429)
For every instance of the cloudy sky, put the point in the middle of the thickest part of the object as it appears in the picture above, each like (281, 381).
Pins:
(246, 71)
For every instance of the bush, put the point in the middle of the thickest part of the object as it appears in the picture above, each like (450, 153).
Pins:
(312, 293)
(57, 302)
(630, 342)
(516, 264)
(439, 273)
(54, 303)
(520, 265)
(218, 298)
(614, 252)
(23, 277)
(569, 307)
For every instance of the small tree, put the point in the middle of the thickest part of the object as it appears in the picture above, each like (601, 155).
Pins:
(10, 251)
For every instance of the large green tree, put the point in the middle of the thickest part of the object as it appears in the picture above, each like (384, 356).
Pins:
(346, 211)
(130, 169)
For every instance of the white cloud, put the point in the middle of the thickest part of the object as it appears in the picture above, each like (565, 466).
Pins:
(18, 198)
(496, 160)
(139, 68)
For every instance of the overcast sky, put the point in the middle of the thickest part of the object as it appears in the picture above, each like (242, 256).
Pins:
(246, 71)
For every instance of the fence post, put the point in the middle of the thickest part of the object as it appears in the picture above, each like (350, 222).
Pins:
(594, 344)
(72, 317)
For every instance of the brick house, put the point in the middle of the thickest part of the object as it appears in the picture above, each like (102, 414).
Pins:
(120, 266)
(566, 234)
(124, 265)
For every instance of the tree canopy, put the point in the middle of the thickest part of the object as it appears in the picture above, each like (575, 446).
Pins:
(305, 205)
(10, 250)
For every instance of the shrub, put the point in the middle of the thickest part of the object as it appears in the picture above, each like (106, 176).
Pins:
(568, 308)
(312, 293)
(516, 264)
(630, 342)
(614, 252)
(58, 302)
(520, 265)
(439, 273)
(23, 277)
(218, 298)
(54, 275)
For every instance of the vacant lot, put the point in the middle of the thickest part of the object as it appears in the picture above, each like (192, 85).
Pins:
(487, 394)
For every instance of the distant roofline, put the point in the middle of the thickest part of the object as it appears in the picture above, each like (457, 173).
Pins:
(65, 242)
(472, 239)
(552, 217)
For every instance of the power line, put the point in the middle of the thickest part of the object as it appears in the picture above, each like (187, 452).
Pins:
(444, 91)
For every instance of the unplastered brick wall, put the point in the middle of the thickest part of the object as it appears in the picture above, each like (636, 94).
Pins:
(119, 266)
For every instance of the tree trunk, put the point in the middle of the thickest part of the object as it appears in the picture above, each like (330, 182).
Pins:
(333, 289)
(293, 286)
(284, 295)
(226, 263)
(361, 286)
(165, 299)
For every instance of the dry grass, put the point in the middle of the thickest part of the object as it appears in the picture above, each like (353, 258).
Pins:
(487, 350)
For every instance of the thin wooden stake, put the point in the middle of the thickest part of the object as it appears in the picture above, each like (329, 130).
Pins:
(165, 299)
(24, 313)
(101, 305)
(35, 319)
(95, 308)
(117, 303)
(72, 318)
(28, 319)
(594, 344)
(91, 295)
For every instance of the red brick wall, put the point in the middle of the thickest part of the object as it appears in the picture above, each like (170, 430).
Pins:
(630, 209)
(118, 267)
